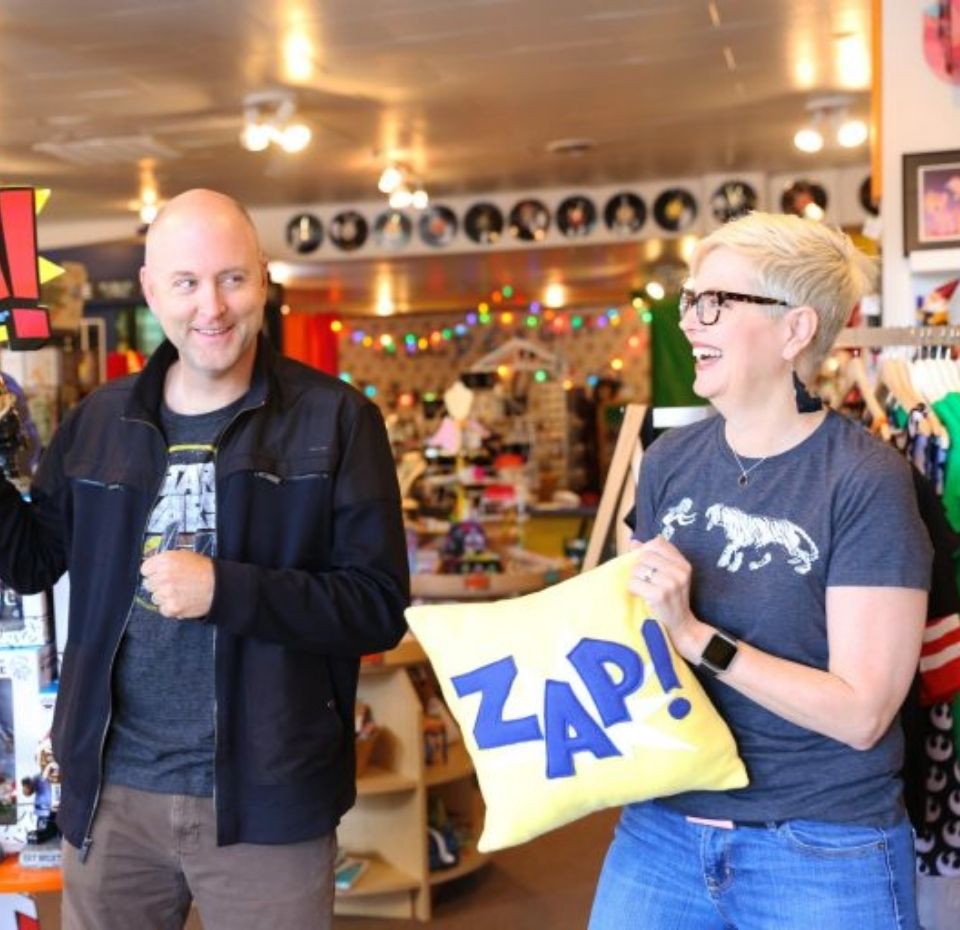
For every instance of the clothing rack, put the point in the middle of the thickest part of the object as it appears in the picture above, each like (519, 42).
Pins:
(868, 337)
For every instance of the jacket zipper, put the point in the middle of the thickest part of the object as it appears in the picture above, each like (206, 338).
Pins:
(88, 836)
(216, 703)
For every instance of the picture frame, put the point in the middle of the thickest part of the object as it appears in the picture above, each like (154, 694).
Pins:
(931, 200)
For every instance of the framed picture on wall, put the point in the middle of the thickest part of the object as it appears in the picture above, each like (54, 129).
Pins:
(931, 201)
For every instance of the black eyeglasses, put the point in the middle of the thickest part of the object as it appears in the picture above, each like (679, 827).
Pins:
(708, 304)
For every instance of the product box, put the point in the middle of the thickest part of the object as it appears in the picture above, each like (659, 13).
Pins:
(29, 780)
(25, 619)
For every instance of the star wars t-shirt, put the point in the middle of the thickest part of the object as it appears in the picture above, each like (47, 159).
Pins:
(162, 727)
(836, 510)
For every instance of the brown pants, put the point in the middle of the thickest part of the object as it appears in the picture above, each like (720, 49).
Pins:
(154, 853)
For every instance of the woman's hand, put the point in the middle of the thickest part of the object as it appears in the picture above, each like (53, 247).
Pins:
(661, 576)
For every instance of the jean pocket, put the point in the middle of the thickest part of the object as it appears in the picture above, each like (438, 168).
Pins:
(823, 840)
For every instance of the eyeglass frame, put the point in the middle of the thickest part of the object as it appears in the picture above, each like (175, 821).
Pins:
(689, 298)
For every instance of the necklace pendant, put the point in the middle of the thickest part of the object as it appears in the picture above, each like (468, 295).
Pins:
(742, 481)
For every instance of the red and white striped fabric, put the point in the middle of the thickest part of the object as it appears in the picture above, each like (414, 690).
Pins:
(940, 660)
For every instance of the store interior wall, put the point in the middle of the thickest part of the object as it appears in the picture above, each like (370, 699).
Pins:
(919, 113)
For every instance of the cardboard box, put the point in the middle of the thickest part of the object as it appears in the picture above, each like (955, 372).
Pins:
(26, 716)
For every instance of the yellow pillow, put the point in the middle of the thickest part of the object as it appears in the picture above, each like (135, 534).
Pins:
(570, 700)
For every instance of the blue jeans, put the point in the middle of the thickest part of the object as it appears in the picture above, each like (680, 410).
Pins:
(663, 872)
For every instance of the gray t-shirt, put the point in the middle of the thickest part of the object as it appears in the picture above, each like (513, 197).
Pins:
(162, 727)
(837, 510)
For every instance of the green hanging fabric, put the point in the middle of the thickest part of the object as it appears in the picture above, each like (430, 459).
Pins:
(671, 360)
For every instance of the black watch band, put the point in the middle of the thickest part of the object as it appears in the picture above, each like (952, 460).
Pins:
(718, 654)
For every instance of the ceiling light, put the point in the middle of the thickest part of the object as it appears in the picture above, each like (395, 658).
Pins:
(390, 180)
(403, 188)
(808, 139)
(400, 199)
(148, 212)
(295, 137)
(851, 133)
(268, 117)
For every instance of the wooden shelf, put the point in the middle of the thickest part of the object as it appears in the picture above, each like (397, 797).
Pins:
(470, 861)
(377, 780)
(478, 586)
(458, 765)
(380, 878)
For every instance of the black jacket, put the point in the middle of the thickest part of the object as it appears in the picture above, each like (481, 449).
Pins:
(311, 573)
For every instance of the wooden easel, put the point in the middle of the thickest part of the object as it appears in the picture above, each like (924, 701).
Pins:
(619, 490)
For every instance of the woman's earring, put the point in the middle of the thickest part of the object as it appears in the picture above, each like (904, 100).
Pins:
(806, 402)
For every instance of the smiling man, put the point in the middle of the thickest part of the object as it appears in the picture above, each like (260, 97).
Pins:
(231, 523)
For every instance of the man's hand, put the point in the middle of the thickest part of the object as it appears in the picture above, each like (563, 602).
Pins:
(180, 583)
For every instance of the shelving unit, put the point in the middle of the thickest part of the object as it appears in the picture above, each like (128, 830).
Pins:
(389, 822)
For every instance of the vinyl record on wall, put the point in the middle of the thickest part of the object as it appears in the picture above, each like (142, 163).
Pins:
(438, 225)
(675, 209)
(529, 221)
(731, 200)
(576, 217)
(392, 229)
(484, 223)
(625, 214)
(866, 197)
(305, 233)
(804, 198)
(348, 230)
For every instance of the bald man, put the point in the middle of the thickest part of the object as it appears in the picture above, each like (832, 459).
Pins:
(231, 523)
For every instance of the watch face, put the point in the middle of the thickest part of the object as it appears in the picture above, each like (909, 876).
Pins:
(305, 233)
(576, 217)
(718, 653)
(675, 209)
(731, 200)
(484, 223)
(438, 225)
(529, 221)
(625, 214)
(348, 230)
(392, 229)
(804, 198)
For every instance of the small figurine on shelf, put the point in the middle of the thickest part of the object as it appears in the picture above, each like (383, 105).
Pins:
(465, 550)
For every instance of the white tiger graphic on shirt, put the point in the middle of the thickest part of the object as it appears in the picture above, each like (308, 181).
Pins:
(745, 531)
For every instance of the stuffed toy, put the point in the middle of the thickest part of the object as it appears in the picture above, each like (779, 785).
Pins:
(570, 700)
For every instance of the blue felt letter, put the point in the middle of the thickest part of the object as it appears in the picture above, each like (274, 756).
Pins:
(590, 658)
(570, 729)
(494, 682)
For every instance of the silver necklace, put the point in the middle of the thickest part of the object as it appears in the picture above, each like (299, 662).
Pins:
(744, 478)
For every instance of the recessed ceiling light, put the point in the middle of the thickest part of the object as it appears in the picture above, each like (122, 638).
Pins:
(571, 147)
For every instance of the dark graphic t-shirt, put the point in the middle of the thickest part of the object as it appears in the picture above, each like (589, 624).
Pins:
(837, 510)
(162, 727)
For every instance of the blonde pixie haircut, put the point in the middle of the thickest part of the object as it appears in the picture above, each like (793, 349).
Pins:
(801, 262)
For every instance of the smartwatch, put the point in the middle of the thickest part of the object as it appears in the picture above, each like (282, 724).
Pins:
(718, 654)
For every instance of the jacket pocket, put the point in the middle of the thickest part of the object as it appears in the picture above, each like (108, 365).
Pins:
(295, 727)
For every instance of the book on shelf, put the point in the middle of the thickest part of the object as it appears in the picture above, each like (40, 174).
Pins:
(347, 872)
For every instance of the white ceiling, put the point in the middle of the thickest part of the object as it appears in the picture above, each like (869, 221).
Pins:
(468, 92)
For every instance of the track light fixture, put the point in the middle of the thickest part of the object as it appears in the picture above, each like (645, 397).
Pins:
(830, 115)
(402, 187)
(268, 117)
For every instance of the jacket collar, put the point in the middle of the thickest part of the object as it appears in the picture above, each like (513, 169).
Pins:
(147, 393)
